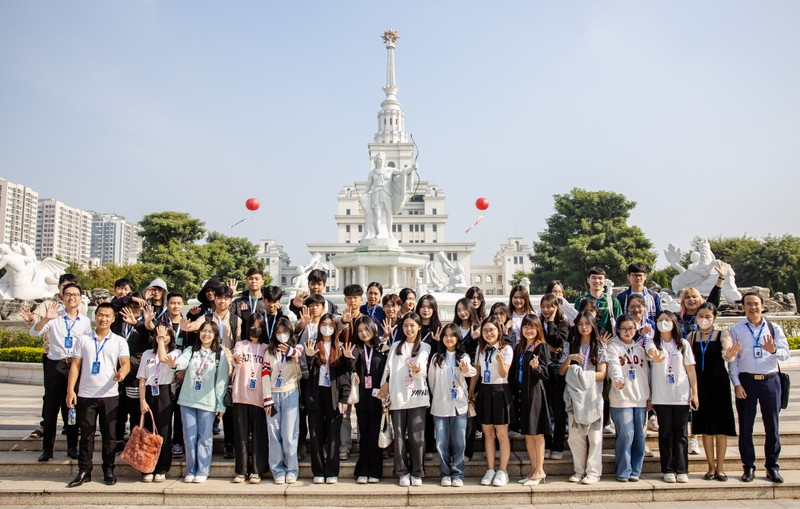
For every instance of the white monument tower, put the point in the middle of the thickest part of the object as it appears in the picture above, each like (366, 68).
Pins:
(379, 256)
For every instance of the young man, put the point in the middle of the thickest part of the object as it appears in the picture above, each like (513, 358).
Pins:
(353, 297)
(62, 325)
(251, 301)
(272, 311)
(637, 275)
(155, 294)
(597, 286)
(98, 394)
(122, 288)
(759, 345)
(317, 279)
(307, 327)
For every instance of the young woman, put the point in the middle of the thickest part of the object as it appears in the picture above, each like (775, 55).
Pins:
(645, 328)
(493, 361)
(408, 301)
(428, 310)
(248, 403)
(712, 348)
(502, 312)
(586, 358)
(370, 363)
(281, 386)
(155, 394)
(204, 387)
(447, 378)
(556, 330)
(530, 371)
(629, 373)
(520, 304)
(327, 390)
(470, 329)
(674, 390)
(475, 296)
(691, 300)
(556, 287)
(405, 384)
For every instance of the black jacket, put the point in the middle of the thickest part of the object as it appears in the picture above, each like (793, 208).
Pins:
(340, 382)
(365, 399)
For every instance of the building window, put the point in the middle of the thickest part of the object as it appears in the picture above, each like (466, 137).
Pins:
(489, 279)
(434, 228)
(453, 257)
(422, 227)
(347, 212)
(434, 212)
(347, 228)
(430, 256)
(411, 227)
(477, 279)
(360, 227)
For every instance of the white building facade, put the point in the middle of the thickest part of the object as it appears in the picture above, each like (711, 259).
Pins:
(495, 279)
(18, 213)
(114, 240)
(64, 232)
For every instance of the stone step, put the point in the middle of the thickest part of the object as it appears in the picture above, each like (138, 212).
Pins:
(52, 491)
(25, 463)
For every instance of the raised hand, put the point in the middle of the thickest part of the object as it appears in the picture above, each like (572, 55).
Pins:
(128, 316)
(53, 310)
(463, 365)
(26, 315)
(722, 269)
(299, 298)
(311, 347)
(194, 310)
(605, 338)
(282, 348)
(149, 314)
(388, 328)
(185, 323)
(347, 350)
(534, 364)
(656, 355)
(162, 331)
(734, 350)
(347, 316)
(437, 335)
(305, 317)
(233, 283)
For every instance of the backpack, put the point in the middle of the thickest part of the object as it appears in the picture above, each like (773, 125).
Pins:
(784, 377)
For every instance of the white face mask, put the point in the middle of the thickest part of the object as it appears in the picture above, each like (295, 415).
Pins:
(283, 337)
(326, 330)
(665, 325)
(704, 323)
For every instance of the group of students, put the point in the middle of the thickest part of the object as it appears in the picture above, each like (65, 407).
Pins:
(276, 375)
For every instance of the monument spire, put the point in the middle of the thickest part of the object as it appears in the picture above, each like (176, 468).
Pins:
(391, 121)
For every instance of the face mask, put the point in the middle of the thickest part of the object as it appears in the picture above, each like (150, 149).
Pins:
(326, 330)
(283, 337)
(665, 325)
(255, 332)
(704, 323)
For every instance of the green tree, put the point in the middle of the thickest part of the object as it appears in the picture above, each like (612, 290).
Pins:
(773, 262)
(589, 228)
(160, 228)
(105, 275)
(516, 277)
(231, 257)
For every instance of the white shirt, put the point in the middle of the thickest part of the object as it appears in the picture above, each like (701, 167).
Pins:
(111, 349)
(745, 361)
(150, 368)
(664, 393)
(56, 330)
(483, 356)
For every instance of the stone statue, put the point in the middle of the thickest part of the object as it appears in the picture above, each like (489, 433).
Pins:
(525, 283)
(432, 278)
(385, 195)
(303, 271)
(455, 275)
(702, 272)
(26, 277)
(670, 303)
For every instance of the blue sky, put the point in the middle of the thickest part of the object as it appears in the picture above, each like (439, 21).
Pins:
(689, 108)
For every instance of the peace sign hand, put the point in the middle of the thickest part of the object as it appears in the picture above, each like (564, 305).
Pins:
(347, 350)
(311, 347)
(437, 335)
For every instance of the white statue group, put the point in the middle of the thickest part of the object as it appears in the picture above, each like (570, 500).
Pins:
(27, 278)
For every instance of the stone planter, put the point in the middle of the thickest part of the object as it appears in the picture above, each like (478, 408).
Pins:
(29, 373)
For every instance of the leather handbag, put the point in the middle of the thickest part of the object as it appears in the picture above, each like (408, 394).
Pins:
(355, 380)
(143, 447)
(785, 384)
(385, 433)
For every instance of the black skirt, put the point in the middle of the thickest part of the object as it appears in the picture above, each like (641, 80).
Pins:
(494, 404)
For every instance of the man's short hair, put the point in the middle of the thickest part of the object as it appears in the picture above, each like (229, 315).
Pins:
(272, 293)
(637, 267)
(224, 291)
(175, 293)
(318, 276)
(67, 278)
(253, 271)
(597, 271)
(753, 294)
(353, 290)
(390, 299)
(123, 282)
(314, 299)
(105, 305)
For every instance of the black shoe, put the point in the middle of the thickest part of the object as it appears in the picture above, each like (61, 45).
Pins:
(229, 452)
(81, 478)
(774, 476)
(46, 456)
(749, 474)
(109, 477)
(72, 452)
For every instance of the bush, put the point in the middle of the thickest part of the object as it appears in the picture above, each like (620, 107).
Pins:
(18, 337)
(21, 354)
(794, 342)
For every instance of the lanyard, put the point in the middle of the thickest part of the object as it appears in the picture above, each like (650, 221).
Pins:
(753, 332)
(371, 311)
(70, 324)
(253, 304)
(177, 329)
(704, 347)
(368, 353)
(451, 368)
(253, 361)
(521, 359)
(221, 327)
(270, 329)
(98, 350)
(201, 368)
(161, 314)
(487, 357)
(670, 349)
(129, 329)
(585, 353)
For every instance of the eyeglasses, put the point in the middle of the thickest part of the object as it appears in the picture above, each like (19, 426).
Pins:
(627, 329)
(638, 275)
(72, 295)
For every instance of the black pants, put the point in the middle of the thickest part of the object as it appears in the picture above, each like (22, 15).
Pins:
(89, 409)
(162, 409)
(673, 443)
(370, 459)
(555, 393)
(129, 412)
(409, 441)
(325, 425)
(228, 429)
(430, 439)
(177, 426)
(767, 394)
(469, 450)
(250, 420)
(56, 374)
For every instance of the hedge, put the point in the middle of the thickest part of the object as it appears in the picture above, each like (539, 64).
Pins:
(21, 354)
(18, 337)
(794, 342)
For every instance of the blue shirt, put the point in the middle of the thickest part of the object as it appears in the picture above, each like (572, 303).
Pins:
(746, 333)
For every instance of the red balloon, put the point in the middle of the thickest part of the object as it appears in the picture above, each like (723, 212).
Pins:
(252, 204)
(482, 203)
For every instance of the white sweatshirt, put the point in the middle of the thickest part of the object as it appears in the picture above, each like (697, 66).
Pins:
(622, 361)
(442, 379)
(401, 396)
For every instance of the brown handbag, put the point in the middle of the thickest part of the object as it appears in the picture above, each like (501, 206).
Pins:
(143, 447)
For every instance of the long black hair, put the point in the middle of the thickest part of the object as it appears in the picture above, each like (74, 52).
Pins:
(677, 337)
(215, 343)
(475, 291)
(441, 351)
(417, 341)
(273, 342)
(594, 343)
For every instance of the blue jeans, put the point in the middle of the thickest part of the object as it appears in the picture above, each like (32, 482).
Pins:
(451, 439)
(629, 423)
(284, 430)
(199, 440)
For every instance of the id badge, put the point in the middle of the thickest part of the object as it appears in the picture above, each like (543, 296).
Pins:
(198, 384)
(631, 375)
(368, 382)
(278, 382)
(758, 352)
(96, 368)
(154, 390)
(487, 376)
(251, 384)
(68, 342)
(326, 381)
(453, 393)
(179, 341)
(409, 382)
(671, 378)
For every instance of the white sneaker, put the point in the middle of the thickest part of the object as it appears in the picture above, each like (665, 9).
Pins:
(610, 429)
(446, 481)
(488, 478)
(291, 478)
(556, 455)
(200, 479)
(280, 479)
(428, 456)
(575, 478)
(416, 481)
(331, 480)
(501, 478)
(693, 447)
(648, 452)
(548, 454)
(682, 478)
(238, 479)
(458, 482)
(590, 479)
(652, 423)
(405, 481)
(669, 477)
(373, 480)
(159, 478)
(188, 478)
(254, 479)
(362, 479)
(319, 480)
(147, 477)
